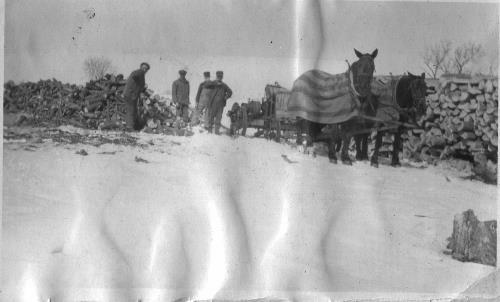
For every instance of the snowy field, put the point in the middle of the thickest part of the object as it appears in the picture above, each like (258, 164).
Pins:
(213, 217)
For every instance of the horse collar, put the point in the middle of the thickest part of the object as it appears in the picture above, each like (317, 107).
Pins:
(351, 80)
(395, 92)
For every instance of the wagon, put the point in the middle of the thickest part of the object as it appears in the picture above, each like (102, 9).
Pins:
(267, 116)
(276, 115)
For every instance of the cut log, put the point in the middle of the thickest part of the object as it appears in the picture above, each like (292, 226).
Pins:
(494, 140)
(478, 132)
(488, 118)
(488, 86)
(436, 141)
(474, 91)
(464, 97)
(473, 240)
(465, 107)
(435, 131)
(433, 98)
(468, 135)
(466, 125)
(490, 110)
(456, 120)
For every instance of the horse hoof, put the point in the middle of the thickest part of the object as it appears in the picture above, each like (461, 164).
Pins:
(396, 165)
(333, 160)
(347, 162)
(374, 164)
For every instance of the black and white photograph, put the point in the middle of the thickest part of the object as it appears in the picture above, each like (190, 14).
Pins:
(249, 150)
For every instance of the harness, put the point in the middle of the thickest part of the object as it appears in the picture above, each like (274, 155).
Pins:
(351, 85)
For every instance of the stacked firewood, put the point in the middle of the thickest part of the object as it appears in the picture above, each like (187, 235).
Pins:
(97, 104)
(461, 121)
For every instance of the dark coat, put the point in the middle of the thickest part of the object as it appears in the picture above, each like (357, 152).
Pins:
(221, 93)
(180, 91)
(135, 85)
(204, 92)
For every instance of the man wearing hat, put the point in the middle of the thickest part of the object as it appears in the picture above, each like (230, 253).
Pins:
(136, 84)
(221, 93)
(202, 98)
(180, 95)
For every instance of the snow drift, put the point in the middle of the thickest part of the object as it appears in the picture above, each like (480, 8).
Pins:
(214, 217)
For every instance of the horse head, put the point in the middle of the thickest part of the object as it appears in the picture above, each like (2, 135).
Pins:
(362, 72)
(418, 92)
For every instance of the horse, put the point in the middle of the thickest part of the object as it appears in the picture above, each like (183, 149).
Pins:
(408, 96)
(360, 76)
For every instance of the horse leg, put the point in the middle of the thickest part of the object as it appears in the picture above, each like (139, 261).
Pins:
(395, 149)
(346, 140)
(358, 139)
(378, 143)
(299, 127)
(338, 144)
(332, 153)
(364, 147)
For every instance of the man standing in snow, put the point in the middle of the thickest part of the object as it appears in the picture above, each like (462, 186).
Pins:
(136, 84)
(221, 93)
(202, 98)
(180, 95)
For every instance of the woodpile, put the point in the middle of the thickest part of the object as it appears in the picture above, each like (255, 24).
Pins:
(473, 240)
(95, 105)
(461, 121)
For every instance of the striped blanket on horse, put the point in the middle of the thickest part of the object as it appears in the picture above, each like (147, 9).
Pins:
(323, 98)
(384, 88)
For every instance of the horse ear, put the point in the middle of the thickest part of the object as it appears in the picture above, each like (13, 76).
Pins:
(423, 75)
(374, 53)
(358, 54)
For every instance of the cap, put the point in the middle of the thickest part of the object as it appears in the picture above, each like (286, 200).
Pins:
(206, 74)
(182, 72)
(144, 63)
(219, 73)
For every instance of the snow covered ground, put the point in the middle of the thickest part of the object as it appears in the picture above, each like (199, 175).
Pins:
(209, 216)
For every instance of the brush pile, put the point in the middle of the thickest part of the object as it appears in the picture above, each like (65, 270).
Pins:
(95, 105)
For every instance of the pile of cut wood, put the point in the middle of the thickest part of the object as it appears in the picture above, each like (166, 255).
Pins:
(97, 104)
(461, 121)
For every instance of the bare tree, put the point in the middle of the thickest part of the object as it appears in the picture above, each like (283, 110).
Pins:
(493, 65)
(435, 57)
(97, 67)
(465, 54)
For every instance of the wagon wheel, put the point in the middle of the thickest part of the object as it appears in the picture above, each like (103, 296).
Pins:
(244, 122)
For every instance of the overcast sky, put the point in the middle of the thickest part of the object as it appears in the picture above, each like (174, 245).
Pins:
(254, 42)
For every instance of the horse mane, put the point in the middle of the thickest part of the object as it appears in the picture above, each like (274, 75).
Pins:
(403, 95)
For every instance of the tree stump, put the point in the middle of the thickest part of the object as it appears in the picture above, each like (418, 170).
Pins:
(473, 240)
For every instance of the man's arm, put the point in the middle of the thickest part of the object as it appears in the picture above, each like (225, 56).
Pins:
(174, 92)
(199, 93)
(229, 92)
